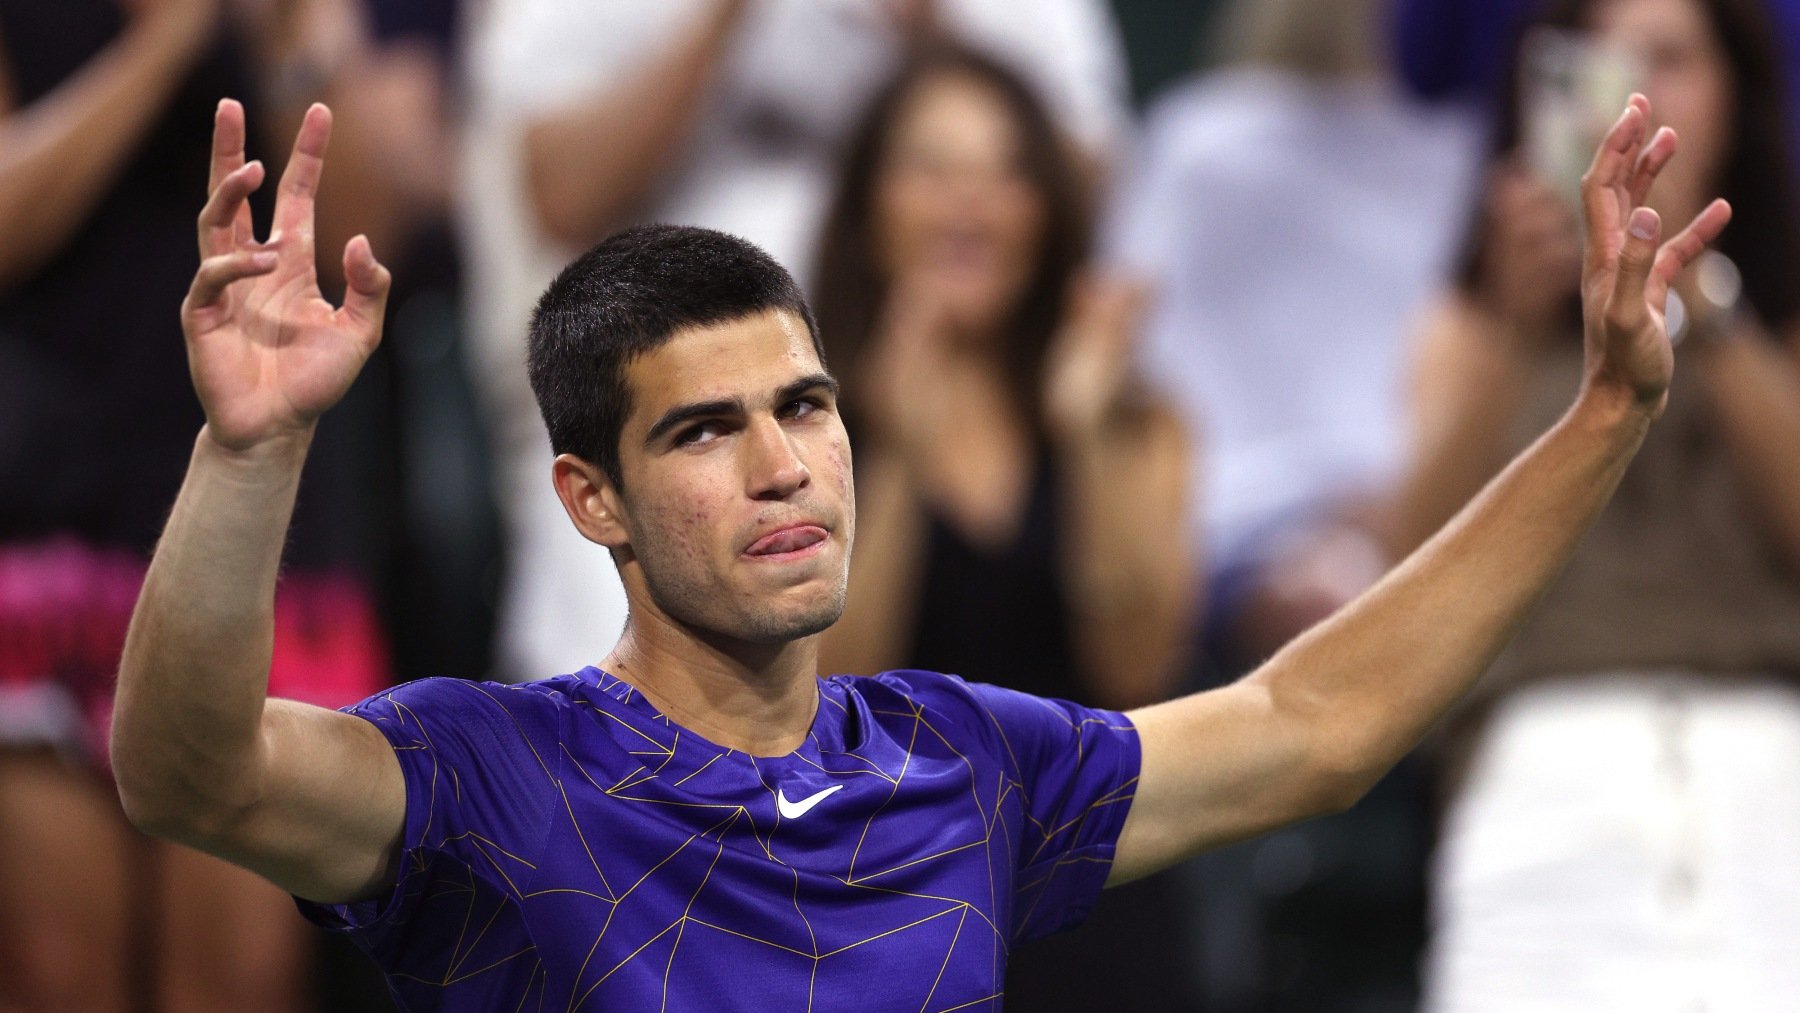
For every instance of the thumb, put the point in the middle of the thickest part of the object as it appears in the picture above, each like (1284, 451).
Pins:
(366, 291)
(1627, 309)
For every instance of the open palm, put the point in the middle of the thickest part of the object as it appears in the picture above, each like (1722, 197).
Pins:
(267, 353)
(1626, 274)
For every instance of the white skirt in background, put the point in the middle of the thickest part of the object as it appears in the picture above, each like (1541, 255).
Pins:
(1627, 841)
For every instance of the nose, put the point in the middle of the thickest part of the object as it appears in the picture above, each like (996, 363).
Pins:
(773, 469)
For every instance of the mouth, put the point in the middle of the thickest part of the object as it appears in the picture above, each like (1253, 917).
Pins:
(796, 542)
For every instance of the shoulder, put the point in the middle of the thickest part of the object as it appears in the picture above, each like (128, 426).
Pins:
(1006, 719)
(478, 713)
(911, 688)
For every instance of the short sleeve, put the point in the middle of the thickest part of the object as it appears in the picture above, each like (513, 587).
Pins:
(480, 763)
(1076, 769)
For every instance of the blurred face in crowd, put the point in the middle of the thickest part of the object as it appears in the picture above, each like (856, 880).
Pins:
(737, 496)
(1689, 85)
(954, 211)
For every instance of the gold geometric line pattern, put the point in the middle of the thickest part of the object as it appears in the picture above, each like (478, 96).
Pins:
(914, 719)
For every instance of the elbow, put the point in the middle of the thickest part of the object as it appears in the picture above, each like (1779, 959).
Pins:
(165, 799)
(150, 806)
(151, 815)
(1338, 775)
(552, 211)
(568, 207)
(1340, 794)
(176, 813)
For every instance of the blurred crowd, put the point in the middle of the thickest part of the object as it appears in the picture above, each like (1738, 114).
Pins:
(1140, 388)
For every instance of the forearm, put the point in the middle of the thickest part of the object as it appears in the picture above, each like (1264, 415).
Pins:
(1467, 395)
(1754, 387)
(587, 165)
(890, 538)
(1129, 571)
(193, 679)
(58, 155)
(1369, 682)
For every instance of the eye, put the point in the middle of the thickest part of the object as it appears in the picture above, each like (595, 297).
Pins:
(701, 433)
(800, 408)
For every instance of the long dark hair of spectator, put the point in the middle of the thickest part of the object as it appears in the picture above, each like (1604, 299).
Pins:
(850, 287)
(1756, 173)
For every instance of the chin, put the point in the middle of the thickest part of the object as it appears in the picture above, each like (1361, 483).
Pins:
(793, 622)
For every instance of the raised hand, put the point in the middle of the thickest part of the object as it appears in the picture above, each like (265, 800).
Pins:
(908, 369)
(1626, 273)
(1089, 363)
(1532, 255)
(267, 353)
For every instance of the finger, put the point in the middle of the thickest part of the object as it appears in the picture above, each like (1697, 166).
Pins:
(217, 273)
(1686, 247)
(227, 158)
(366, 287)
(218, 219)
(1626, 310)
(1656, 155)
(1121, 310)
(300, 180)
(228, 142)
(1611, 169)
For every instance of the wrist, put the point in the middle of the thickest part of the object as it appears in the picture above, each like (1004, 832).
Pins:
(1076, 438)
(282, 451)
(1613, 410)
(170, 40)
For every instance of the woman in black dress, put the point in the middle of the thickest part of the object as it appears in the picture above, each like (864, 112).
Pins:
(1022, 499)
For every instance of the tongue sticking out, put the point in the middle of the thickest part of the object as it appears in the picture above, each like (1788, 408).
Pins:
(787, 540)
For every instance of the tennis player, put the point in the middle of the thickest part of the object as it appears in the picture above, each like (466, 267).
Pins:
(701, 821)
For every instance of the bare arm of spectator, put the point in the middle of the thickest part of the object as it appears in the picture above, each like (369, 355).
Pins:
(1129, 567)
(588, 164)
(901, 383)
(1478, 348)
(310, 798)
(1753, 379)
(58, 155)
(390, 149)
(1314, 728)
(1468, 385)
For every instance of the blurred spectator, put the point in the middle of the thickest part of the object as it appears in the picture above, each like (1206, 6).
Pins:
(1624, 808)
(1291, 211)
(105, 117)
(1020, 496)
(585, 117)
(1456, 50)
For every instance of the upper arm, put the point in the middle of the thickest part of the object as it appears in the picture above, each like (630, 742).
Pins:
(1218, 767)
(1790, 340)
(1450, 357)
(1166, 493)
(329, 812)
(1467, 385)
(7, 100)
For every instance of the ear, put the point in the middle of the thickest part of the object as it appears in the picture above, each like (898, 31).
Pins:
(591, 501)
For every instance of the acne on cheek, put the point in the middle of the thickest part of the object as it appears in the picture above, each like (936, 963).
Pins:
(685, 526)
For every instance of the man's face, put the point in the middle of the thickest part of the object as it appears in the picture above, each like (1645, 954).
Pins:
(737, 485)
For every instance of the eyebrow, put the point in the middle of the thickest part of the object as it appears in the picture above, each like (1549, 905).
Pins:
(681, 414)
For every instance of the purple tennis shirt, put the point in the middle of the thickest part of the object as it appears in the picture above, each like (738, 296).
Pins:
(569, 847)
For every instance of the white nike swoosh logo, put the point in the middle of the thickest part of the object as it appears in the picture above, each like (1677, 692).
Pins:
(795, 810)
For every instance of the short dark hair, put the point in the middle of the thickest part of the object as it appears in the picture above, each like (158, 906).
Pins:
(627, 296)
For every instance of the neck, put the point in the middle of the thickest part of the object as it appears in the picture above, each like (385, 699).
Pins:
(757, 698)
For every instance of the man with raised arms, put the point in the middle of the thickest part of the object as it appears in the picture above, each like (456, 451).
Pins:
(701, 821)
